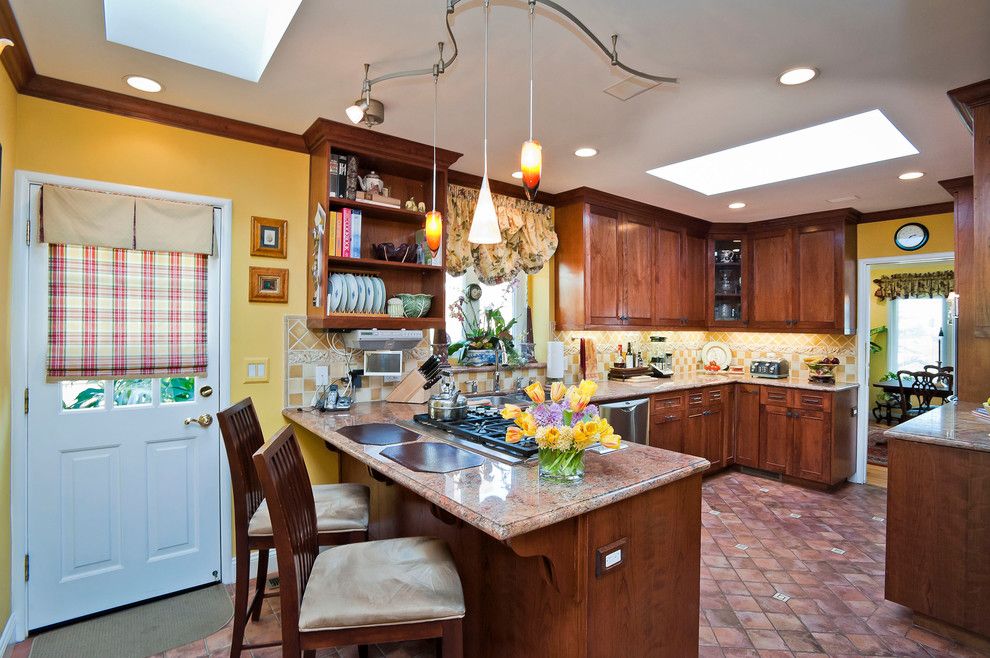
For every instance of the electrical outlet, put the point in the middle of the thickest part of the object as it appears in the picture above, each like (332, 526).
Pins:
(255, 369)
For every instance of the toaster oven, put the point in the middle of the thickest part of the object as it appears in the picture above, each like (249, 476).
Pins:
(772, 368)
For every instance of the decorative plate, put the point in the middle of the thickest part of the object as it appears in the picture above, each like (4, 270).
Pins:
(379, 295)
(718, 352)
(351, 293)
(359, 282)
(369, 294)
(336, 292)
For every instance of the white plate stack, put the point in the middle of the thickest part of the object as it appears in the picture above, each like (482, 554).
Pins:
(355, 293)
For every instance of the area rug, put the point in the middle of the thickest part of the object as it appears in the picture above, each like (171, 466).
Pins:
(144, 630)
(876, 453)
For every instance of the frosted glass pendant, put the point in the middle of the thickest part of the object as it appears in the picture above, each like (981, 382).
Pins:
(484, 224)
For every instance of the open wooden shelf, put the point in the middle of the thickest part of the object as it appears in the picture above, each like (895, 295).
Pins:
(378, 211)
(372, 321)
(373, 263)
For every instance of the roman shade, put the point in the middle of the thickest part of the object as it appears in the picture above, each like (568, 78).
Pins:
(102, 219)
(123, 313)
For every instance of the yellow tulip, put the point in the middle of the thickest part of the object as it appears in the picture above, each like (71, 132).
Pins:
(511, 411)
(610, 440)
(527, 423)
(557, 391)
(587, 388)
(513, 435)
(535, 392)
(576, 401)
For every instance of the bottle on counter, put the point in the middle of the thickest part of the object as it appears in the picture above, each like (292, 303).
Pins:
(630, 359)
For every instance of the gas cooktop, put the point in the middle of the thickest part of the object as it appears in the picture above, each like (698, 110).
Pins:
(485, 426)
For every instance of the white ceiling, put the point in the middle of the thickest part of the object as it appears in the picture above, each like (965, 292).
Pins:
(897, 55)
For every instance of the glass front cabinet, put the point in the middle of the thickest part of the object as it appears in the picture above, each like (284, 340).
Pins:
(727, 270)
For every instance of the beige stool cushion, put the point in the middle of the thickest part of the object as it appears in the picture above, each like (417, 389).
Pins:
(378, 583)
(339, 508)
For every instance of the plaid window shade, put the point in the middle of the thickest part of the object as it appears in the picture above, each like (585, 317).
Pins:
(125, 313)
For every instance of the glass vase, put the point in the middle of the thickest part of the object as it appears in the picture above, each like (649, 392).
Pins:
(561, 465)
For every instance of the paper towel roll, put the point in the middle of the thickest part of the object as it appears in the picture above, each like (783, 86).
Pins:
(555, 360)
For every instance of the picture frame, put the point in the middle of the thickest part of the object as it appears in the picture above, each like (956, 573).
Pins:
(268, 284)
(268, 237)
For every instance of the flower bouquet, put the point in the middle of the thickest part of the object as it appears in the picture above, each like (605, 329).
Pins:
(562, 427)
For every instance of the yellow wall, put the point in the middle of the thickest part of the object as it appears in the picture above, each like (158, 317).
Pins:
(8, 123)
(876, 239)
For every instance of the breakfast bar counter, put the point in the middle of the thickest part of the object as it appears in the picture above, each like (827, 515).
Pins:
(938, 521)
(608, 566)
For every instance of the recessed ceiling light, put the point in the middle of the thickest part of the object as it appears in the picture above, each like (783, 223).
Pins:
(797, 76)
(142, 83)
(911, 175)
(236, 37)
(736, 205)
(517, 174)
(840, 144)
(586, 152)
(842, 199)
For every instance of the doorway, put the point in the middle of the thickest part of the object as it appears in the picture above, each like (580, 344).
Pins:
(120, 488)
(895, 334)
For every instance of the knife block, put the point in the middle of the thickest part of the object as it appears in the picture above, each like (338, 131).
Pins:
(410, 390)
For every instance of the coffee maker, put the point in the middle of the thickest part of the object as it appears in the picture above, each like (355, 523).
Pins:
(661, 361)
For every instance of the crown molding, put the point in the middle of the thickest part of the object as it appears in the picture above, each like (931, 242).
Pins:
(15, 58)
(906, 213)
(954, 185)
(969, 97)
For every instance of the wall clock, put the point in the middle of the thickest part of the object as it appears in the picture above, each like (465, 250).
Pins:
(911, 237)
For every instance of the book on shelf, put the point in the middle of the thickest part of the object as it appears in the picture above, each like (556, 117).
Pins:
(338, 175)
(339, 233)
(355, 244)
(345, 240)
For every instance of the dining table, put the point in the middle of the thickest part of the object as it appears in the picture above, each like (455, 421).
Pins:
(884, 411)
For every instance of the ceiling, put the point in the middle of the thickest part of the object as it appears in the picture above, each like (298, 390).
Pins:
(897, 55)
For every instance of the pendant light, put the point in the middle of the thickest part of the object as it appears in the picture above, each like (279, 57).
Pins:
(434, 220)
(484, 223)
(531, 158)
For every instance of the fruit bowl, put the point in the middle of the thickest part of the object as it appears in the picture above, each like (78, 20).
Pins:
(822, 369)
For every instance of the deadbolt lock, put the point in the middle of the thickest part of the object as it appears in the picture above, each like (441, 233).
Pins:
(206, 391)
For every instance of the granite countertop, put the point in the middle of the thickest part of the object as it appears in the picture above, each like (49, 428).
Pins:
(952, 425)
(505, 500)
(618, 390)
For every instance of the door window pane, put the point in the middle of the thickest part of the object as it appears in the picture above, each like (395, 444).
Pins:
(131, 392)
(82, 394)
(178, 389)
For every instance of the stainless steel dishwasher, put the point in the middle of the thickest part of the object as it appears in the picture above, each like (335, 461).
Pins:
(630, 419)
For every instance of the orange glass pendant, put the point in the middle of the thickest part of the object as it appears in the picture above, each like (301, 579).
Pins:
(531, 163)
(434, 230)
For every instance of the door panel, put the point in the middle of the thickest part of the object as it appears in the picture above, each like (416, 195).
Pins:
(715, 436)
(636, 259)
(775, 438)
(695, 271)
(771, 280)
(669, 281)
(603, 270)
(816, 278)
(123, 497)
(811, 442)
(748, 425)
(694, 434)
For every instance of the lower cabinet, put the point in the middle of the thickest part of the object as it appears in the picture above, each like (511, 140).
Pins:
(804, 435)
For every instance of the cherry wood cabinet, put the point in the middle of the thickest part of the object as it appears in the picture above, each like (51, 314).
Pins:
(695, 267)
(669, 276)
(604, 269)
(771, 286)
(695, 422)
(747, 425)
(636, 266)
(775, 438)
(667, 422)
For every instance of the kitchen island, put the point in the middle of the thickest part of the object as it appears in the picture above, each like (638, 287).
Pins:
(938, 521)
(605, 567)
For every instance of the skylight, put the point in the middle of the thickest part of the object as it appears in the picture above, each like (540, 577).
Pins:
(236, 37)
(850, 142)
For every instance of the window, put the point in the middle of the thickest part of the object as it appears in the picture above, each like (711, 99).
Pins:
(914, 334)
(510, 297)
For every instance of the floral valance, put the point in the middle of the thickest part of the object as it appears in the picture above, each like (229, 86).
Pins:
(915, 285)
(528, 238)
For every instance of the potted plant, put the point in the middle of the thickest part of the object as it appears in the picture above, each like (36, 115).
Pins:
(483, 332)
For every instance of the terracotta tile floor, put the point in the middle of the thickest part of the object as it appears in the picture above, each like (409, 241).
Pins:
(767, 538)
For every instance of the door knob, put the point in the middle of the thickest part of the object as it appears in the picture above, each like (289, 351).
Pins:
(204, 421)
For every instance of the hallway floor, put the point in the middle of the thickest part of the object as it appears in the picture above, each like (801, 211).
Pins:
(760, 538)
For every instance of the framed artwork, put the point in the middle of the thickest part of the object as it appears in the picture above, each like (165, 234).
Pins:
(268, 284)
(268, 237)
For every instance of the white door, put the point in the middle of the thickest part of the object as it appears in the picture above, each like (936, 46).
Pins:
(123, 496)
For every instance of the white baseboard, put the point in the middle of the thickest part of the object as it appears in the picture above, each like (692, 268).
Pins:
(7, 638)
(272, 566)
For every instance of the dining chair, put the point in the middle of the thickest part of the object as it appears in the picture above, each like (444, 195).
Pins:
(917, 389)
(380, 591)
(341, 510)
(944, 378)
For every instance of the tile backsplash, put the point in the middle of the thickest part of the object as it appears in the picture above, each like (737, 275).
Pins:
(305, 350)
(686, 348)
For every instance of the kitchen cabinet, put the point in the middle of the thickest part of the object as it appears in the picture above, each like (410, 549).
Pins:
(705, 429)
(775, 438)
(636, 261)
(693, 288)
(604, 298)
(670, 276)
(747, 425)
(810, 441)
(727, 259)
(771, 286)
(667, 422)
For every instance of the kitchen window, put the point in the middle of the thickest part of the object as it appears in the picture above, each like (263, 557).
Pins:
(509, 297)
(914, 340)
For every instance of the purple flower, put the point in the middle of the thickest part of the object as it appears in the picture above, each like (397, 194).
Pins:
(548, 414)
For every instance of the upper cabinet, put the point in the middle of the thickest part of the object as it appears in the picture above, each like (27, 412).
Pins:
(624, 264)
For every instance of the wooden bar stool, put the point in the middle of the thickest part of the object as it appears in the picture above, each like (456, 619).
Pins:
(341, 510)
(379, 591)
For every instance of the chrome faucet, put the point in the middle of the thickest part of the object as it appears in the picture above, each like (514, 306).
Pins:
(499, 351)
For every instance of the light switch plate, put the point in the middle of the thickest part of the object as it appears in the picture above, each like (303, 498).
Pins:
(255, 369)
(322, 374)
(610, 557)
